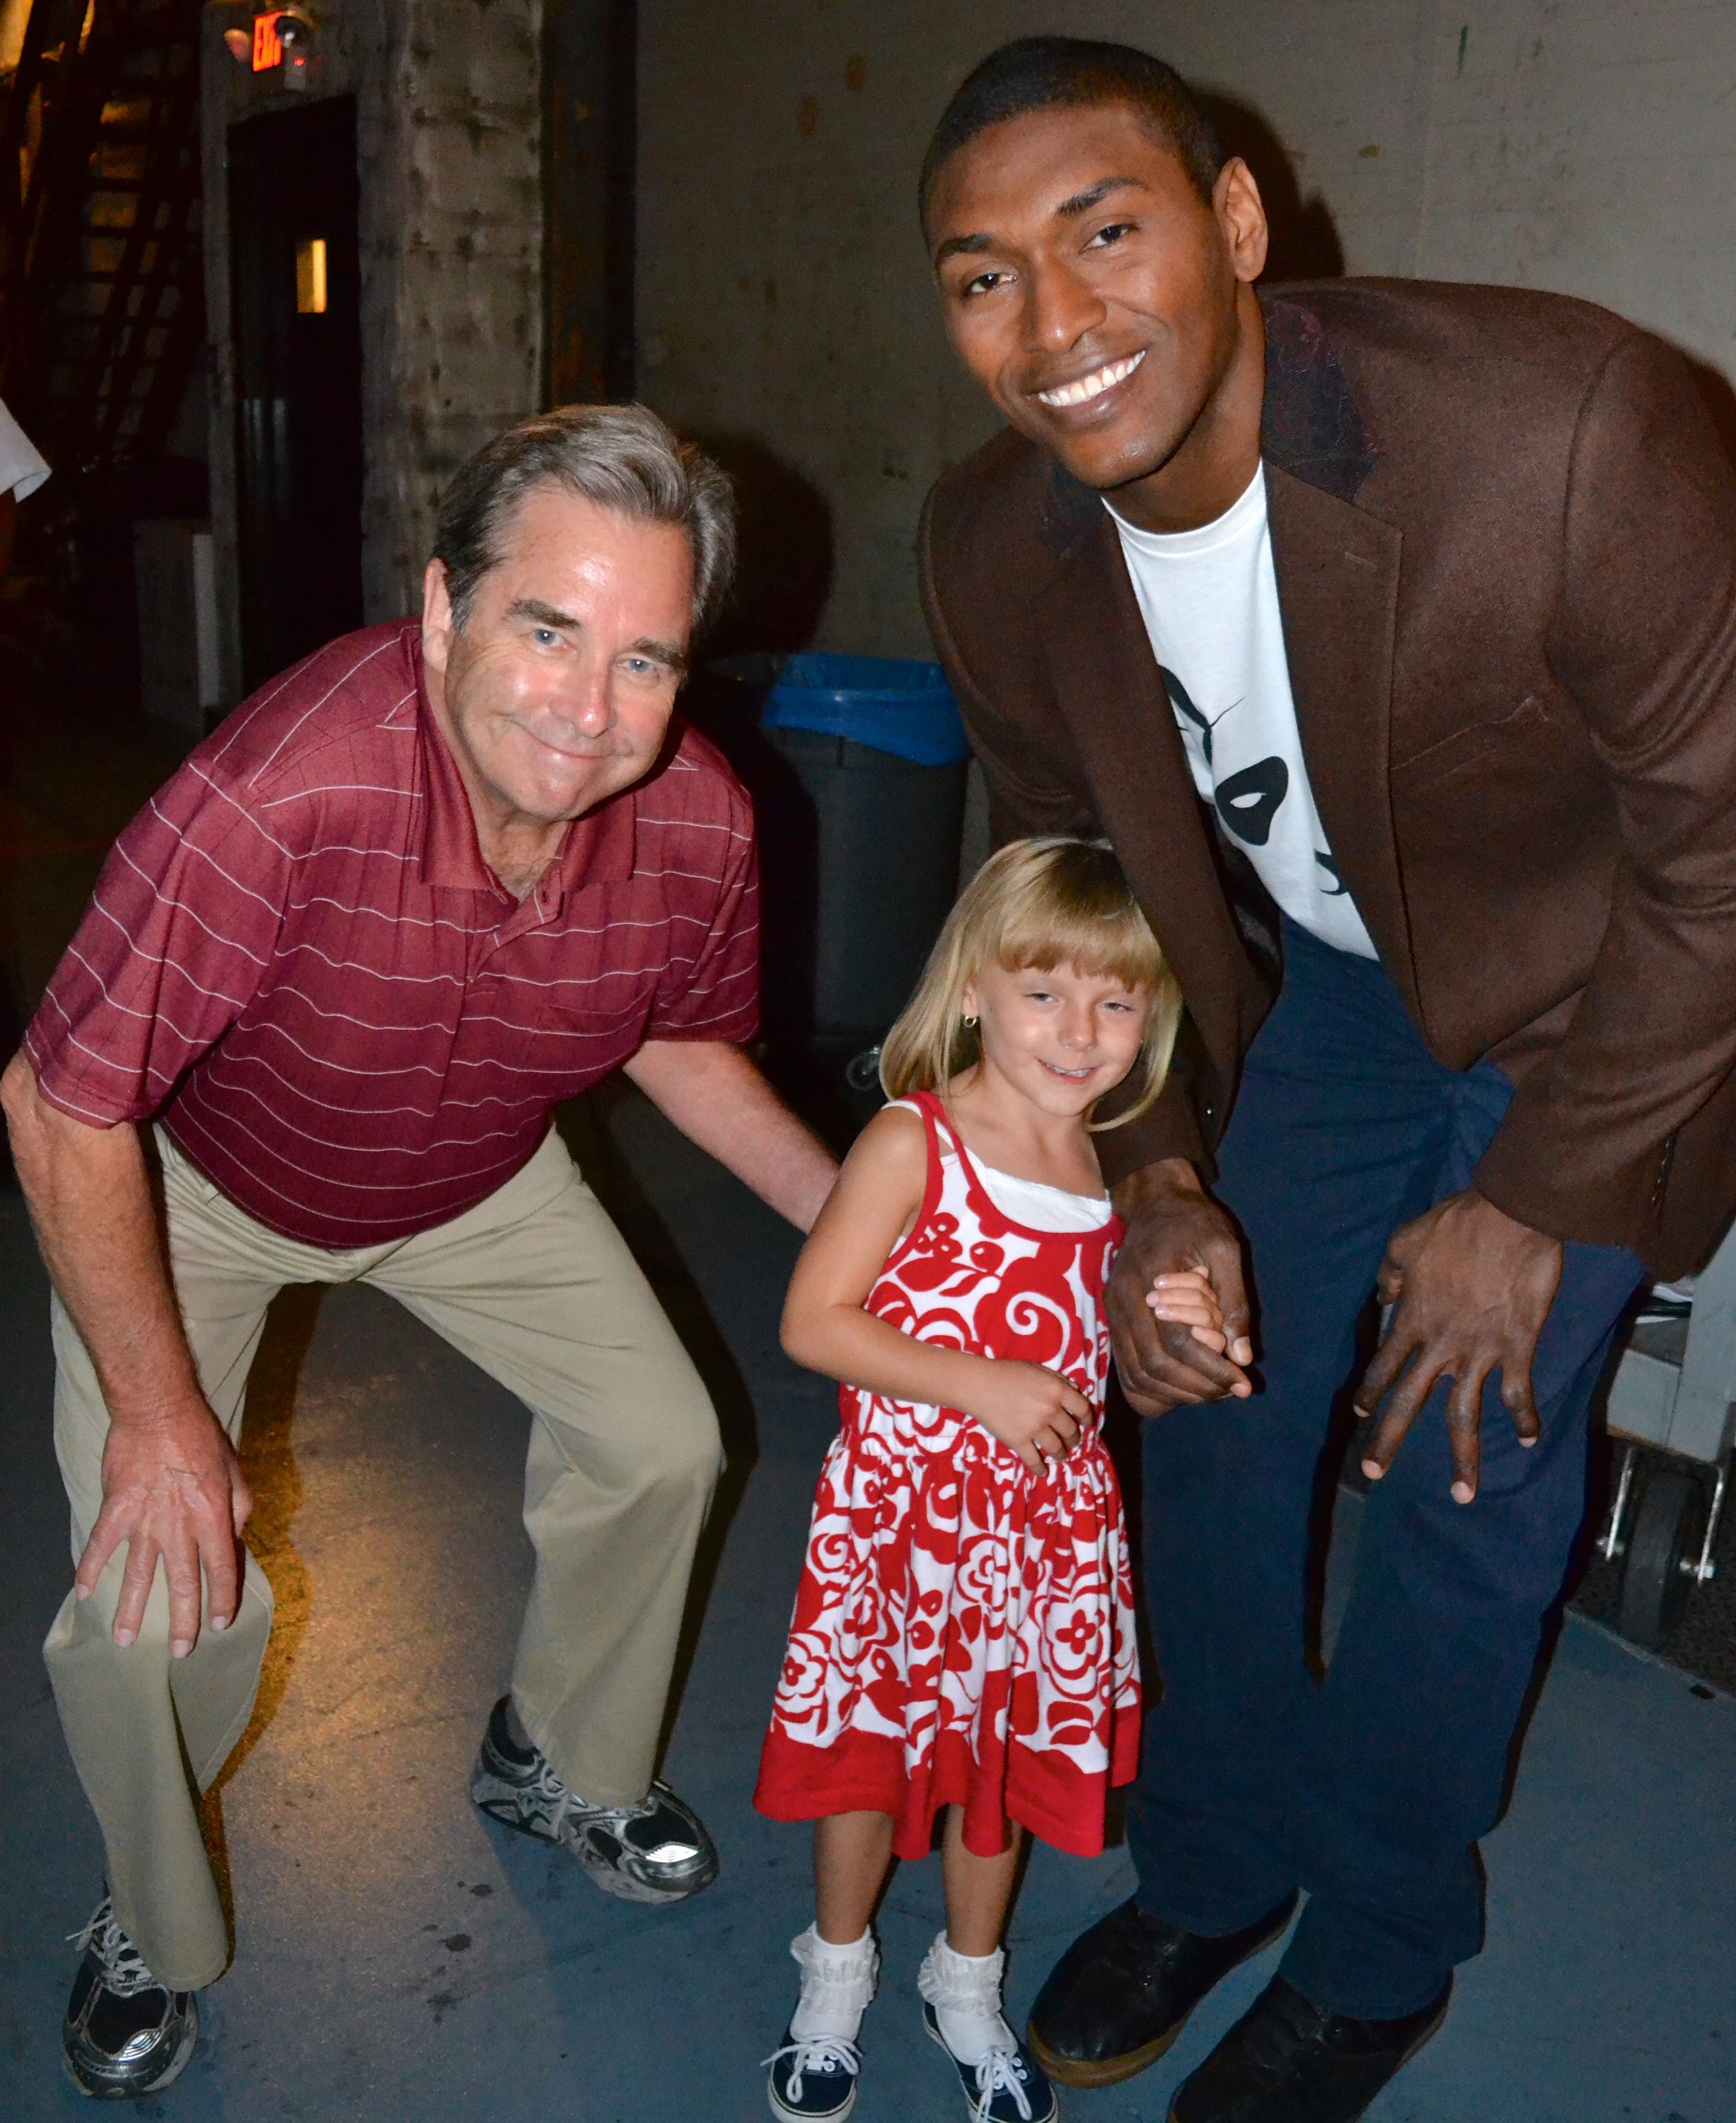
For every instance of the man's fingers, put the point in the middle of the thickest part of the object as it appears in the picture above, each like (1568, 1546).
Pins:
(1407, 1398)
(106, 1537)
(1464, 1405)
(180, 1565)
(135, 1589)
(1230, 1287)
(1217, 1374)
(1521, 1404)
(1384, 1366)
(1160, 1359)
(223, 1568)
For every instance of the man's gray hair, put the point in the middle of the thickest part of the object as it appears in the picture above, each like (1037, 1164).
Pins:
(622, 458)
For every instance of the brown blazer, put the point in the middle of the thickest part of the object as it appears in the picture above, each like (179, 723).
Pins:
(1504, 533)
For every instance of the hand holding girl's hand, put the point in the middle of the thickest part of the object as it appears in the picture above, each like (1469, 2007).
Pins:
(1188, 1297)
(1033, 1410)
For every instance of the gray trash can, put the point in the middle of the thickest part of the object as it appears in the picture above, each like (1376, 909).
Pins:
(860, 796)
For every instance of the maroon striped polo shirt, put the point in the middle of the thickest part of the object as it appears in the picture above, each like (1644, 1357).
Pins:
(296, 960)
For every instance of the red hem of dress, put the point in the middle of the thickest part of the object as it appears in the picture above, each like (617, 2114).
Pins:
(864, 1772)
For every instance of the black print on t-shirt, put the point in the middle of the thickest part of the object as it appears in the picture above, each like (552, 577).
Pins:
(1247, 802)
(1338, 887)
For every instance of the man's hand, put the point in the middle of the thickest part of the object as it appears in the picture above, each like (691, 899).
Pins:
(1473, 1289)
(171, 1487)
(1173, 1226)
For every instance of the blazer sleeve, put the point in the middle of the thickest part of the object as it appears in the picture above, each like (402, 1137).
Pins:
(1644, 638)
(1032, 790)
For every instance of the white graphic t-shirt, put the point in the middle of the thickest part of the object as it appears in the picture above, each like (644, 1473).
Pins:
(1210, 598)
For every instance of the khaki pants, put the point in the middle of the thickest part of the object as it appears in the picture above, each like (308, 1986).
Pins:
(536, 1285)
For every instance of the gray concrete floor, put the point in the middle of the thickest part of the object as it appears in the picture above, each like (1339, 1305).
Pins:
(398, 1957)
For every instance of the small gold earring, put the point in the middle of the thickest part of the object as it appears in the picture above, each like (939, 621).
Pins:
(971, 1023)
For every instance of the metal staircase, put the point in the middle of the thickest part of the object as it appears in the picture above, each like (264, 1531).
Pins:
(101, 292)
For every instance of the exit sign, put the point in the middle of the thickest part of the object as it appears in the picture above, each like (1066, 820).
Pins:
(268, 46)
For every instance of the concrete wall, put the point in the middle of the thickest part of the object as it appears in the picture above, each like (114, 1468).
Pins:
(448, 102)
(1584, 145)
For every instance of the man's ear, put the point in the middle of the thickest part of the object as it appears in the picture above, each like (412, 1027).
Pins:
(1241, 214)
(437, 627)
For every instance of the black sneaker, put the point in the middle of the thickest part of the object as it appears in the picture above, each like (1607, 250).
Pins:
(815, 2081)
(1288, 2061)
(1007, 2085)
(124, 2033)
(657, 1851)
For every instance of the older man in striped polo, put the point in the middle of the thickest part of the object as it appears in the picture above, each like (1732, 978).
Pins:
(436, 878)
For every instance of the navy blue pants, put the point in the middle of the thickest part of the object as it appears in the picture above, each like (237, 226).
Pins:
(1370, 1789)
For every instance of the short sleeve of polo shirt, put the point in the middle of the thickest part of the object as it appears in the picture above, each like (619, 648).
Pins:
(173, 947)
(714, 993)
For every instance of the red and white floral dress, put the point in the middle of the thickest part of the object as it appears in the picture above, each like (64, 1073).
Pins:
(964, 1629)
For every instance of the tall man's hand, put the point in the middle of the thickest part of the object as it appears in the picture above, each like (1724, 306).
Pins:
(1472, 1288)
(1174, 1225)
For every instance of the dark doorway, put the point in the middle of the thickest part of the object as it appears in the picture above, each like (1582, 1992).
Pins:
(296, 285)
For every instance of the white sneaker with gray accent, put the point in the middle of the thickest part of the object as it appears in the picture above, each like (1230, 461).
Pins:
(657, 1851)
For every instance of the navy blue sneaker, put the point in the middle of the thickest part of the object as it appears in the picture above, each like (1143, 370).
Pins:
(1009, 2086)
(815, 2081)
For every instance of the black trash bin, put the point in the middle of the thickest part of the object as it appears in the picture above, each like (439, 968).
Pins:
(860, 795)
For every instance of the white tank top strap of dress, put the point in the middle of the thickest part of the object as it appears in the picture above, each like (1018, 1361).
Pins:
(1031, 1202)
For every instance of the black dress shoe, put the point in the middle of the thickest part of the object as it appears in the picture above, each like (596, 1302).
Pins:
(1121, 1993)
(1287, 2061)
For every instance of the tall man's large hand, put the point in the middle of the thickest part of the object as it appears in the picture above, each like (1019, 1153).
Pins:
(1472, 1288)
(1173, 1226)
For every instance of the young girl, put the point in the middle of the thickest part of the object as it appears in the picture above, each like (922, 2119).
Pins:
(964, 1635)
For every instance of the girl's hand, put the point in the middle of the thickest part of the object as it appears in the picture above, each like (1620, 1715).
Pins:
(1187, 1296)
(1033, 1410)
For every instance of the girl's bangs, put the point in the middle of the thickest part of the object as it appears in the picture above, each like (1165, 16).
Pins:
(1116, 946)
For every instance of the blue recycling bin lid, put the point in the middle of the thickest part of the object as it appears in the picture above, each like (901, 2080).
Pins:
(891, 702)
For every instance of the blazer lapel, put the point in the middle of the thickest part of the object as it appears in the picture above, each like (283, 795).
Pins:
(1338, 569)
(1108, 687)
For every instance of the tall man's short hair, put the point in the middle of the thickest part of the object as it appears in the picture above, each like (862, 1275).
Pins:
(622, 458)
(1059, 73)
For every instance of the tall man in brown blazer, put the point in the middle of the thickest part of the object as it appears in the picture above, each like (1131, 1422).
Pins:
(1389, 631)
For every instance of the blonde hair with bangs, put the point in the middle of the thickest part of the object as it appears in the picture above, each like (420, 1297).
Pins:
(1056, 901)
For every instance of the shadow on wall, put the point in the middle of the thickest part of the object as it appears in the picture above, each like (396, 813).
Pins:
(784, 570)
(1304, 241)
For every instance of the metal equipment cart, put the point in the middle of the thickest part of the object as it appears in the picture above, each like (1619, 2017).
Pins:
(1672, 1411)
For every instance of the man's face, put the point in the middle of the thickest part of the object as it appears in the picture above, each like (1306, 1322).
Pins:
(1088, 287)
(557, 692)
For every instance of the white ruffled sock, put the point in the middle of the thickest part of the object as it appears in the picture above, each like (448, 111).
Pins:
(965, 1991)
(837, 1985)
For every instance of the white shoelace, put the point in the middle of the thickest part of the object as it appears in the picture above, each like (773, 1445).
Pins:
(1001, 2072)
(818, 2053)
(124, 1971)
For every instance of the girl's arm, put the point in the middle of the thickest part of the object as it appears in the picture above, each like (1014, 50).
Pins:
(825, 1328)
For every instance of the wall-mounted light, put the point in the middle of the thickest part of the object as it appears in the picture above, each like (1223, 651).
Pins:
(310, 277)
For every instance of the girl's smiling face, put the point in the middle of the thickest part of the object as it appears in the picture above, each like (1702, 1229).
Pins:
(1060, 1037)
